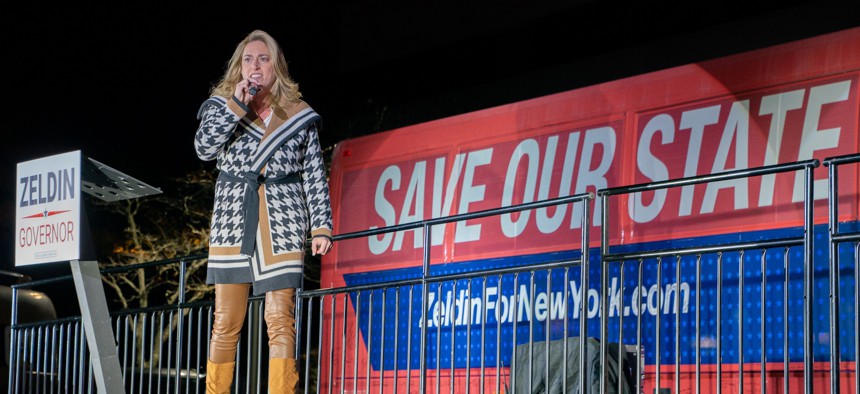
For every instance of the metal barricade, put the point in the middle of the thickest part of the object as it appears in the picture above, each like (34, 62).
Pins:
(446, 333)
(161, 348)
(733, 279)
(382, 343)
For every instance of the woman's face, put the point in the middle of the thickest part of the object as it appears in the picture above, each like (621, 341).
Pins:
(257, 64)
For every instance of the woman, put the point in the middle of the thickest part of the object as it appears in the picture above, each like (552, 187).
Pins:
(271, 194)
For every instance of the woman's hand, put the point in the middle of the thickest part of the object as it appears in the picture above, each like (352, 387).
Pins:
(320, 245)
(243, 91)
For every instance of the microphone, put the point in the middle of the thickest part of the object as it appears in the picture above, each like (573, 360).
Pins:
(253, 90)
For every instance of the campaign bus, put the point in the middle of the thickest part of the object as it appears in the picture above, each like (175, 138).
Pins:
(782, 104)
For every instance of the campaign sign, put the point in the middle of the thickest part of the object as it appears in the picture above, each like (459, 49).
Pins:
(780, 105)
(48, 209)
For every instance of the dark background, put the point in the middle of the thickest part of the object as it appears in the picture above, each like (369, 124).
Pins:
(122, 83)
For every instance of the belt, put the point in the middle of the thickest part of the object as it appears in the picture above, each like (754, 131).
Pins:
(251, 203)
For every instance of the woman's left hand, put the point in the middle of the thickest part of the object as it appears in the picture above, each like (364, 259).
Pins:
(320, 245)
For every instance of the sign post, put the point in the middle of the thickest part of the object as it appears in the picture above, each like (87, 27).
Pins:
(51, 226)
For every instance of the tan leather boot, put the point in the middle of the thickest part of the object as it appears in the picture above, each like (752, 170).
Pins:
(280, 315)
(219, 377)
(283, 376)
(231, 305)
(281, 321)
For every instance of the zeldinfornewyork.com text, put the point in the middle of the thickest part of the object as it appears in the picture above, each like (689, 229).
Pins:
(446, 308)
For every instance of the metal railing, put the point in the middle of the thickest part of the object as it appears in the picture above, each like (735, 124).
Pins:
(153, 345)
(162, 349)
(751, 350)
(411, 366)
(373, 337)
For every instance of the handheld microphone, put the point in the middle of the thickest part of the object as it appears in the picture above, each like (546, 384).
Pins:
(253, 90)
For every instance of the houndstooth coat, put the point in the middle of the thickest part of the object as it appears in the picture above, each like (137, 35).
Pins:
(271, 191)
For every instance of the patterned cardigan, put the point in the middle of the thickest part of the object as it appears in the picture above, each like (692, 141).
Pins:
(271, 191)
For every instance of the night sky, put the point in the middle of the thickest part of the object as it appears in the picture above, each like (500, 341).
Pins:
(122, 83)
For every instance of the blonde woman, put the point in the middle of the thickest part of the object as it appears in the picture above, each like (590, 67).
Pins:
(270, 197)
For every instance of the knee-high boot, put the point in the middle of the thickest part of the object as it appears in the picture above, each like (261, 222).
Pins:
(281, 326)
(283, 376)
(219, 377)
(231, 304)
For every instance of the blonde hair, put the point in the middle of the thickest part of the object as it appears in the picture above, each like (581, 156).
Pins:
(284, 87)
